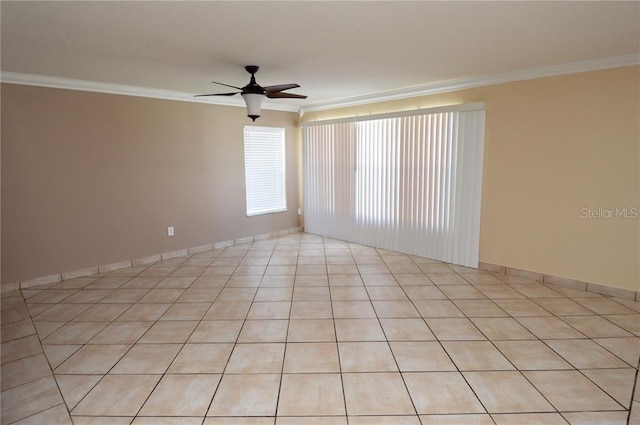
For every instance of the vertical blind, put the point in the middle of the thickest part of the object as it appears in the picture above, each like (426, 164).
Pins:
(409, 183)
(264, 170)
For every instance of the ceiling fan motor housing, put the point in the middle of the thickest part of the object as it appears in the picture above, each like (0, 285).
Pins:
(253, 87)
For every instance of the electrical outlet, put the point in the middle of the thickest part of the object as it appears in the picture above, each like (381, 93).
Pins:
(299, 211)
(170, 231)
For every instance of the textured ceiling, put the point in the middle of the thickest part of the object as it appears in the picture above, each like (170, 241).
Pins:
(334, 50)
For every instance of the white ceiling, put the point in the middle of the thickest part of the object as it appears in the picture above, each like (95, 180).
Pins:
(334, 50)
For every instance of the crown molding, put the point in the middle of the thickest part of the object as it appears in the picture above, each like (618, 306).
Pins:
(125, 90)
(424, 90)
(478, 81)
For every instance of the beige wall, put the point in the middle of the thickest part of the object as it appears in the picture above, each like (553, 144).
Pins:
(554, 146)
(90, 179)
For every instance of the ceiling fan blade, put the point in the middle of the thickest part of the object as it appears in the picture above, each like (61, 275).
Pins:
(218, 94)
(228, 85)
(280, 87)
(279, 95)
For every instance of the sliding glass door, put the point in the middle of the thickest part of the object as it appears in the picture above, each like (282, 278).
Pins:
(410, 183)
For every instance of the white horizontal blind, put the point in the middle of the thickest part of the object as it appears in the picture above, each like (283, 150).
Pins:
(407, 183)
(264, 170)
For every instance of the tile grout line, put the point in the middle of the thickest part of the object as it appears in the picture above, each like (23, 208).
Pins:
(24, 302)
(388, 343)
(165, 373)
(121, 357)
(439, 341)
(574, 368)
(284, 354)
(235, 344)
(335, 330)
(491, 341)
(562, 317)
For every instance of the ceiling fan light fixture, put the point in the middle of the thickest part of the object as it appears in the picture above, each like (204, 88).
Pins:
(254, 94)
(254, 103)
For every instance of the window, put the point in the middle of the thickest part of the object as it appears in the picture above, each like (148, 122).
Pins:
(264, 170)
(408, 182)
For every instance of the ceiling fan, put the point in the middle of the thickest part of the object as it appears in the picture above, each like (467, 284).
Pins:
(254, 94)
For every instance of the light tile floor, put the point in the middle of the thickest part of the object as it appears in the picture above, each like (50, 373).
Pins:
(309, 330)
